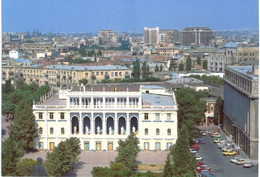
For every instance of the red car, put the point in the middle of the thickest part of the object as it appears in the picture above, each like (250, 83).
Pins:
(199, 163)
(195, 147)
(203, 167)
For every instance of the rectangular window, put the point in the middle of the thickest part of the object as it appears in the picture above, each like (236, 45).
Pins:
(62, 115)
(158, 146)
(169, 145)
(97, 73)
(116, 73)
(40, 145)
(40, 115)
(102, 73)
(169, 116)
(146, 116)
(51, 115)
(146, 146)
(86, 75)
(157, 117)
(112, 74)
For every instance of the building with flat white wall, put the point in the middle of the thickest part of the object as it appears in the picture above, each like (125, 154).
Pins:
(13, 54)
(102, 115)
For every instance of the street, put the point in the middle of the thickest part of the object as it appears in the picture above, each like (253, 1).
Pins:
(220, 165)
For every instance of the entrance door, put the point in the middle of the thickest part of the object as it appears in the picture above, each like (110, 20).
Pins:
(40, 145)
(98, 146)
(110, 146)
(146, 146)
(86, 146)
(51, 146)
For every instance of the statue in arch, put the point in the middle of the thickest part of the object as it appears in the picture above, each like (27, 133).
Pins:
(98, 130)
(86, 129)
(122, 130)
(75, 129)
(133, 129)
(110, 130)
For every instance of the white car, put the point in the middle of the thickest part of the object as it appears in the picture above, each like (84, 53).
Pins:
(198, 157)
(240, 162)
(234, 159)
(248, 164)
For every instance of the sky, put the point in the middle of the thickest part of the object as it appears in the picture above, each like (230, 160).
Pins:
(126, 15)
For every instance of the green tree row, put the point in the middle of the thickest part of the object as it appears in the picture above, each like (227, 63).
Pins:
(209, 79)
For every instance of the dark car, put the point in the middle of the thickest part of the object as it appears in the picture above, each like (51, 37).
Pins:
(202, 141)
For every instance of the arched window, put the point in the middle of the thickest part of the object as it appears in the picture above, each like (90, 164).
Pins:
(51, 130)
(62, 131)
(157, 131)
(40, 130)
(146, 131)
(169, 132)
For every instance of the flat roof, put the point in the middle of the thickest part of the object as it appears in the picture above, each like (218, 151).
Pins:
(157, 100)
(246, 70)
(107, 88)
(87, 68)
(152, 87)
(54, 100)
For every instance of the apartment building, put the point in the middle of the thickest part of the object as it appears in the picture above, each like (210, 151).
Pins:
(151, 35)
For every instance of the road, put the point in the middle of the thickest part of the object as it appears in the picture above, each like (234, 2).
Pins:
(220, 165)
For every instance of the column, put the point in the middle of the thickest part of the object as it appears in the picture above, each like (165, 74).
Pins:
(91, 102)
(46, 124)
(80, 102)
(104, 130)
(68, 124)
(140, 124)
(127, 124)
(127, 102)
(140, 102)
(115, 106)
(163, 119)
(163, 145)
(80, 124)
(104, 102)
(92, 128)
(116, 125)
(46, 143)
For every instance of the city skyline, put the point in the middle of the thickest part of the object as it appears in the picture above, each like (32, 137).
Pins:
(131, 16)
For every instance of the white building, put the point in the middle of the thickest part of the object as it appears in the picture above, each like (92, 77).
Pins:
(14, 54)
(151, 35)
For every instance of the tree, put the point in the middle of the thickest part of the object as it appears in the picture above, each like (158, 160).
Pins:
(218, 109)
(82, 52)
(205, 65)
(92, 53)
(184, 161)
(99, 53)
(198, 61)
(25, 167)
(83, 81)
(127, 151)
(181, 67)
(7, 88)
(170, 68)
(156, 68)
(188, 64)
(136, 69)
(161, 68)
(63, 157)
(7, 108)
(145, 70)
(116, 169)
(23, 129)
(168, 168)
(11, 153)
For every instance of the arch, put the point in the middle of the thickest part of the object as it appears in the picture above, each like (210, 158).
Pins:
(169, 132)
(75, 125)
(98, 123)
(146, 131)
(157, 131)
(133, 123)
(51, 130)
(110, 123)
(40, 130)
(86, 123)
(62, 131)
(121, 123)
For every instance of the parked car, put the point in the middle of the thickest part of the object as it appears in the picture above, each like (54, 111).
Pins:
(216, 134)
(199, 163)
(201, 141)
(206, 173)
(193, 151)
(240, 161)
(248, 164)
(227, 149)
(195, 147)
(203, 167)
(229, 153)
(219, 140)
(203, 133)
(198, 157)
(234, 159)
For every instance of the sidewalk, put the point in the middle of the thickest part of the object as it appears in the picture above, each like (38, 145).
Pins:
(212, 127)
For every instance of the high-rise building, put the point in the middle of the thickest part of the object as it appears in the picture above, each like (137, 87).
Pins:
(151, 35)
(106, 37)
(241, 107)
(170, 35)
(196, 36)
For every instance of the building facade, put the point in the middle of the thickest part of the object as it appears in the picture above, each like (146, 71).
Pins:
(151, 35)
(106, 37)
(102, 115)
(170, 35)
(67, 75)
(196, 36)
(241, 107)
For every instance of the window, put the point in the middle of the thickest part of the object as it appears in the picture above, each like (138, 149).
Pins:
(146, 146)
(40, 115)
(158, 146)
(157, 131)
(112, 74)
(116, 73)
(157, 116)
(62, 131)
(146, 131)
(62, 115)
(40, 145)
(102, 73)
(40, 130)
(211, 108)
(169, 132)
(169, 116)
(169, 145)
(146, 116)
(51, 115)
(86, 75)
(120, 73)
(97, 73)
(51, 130)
